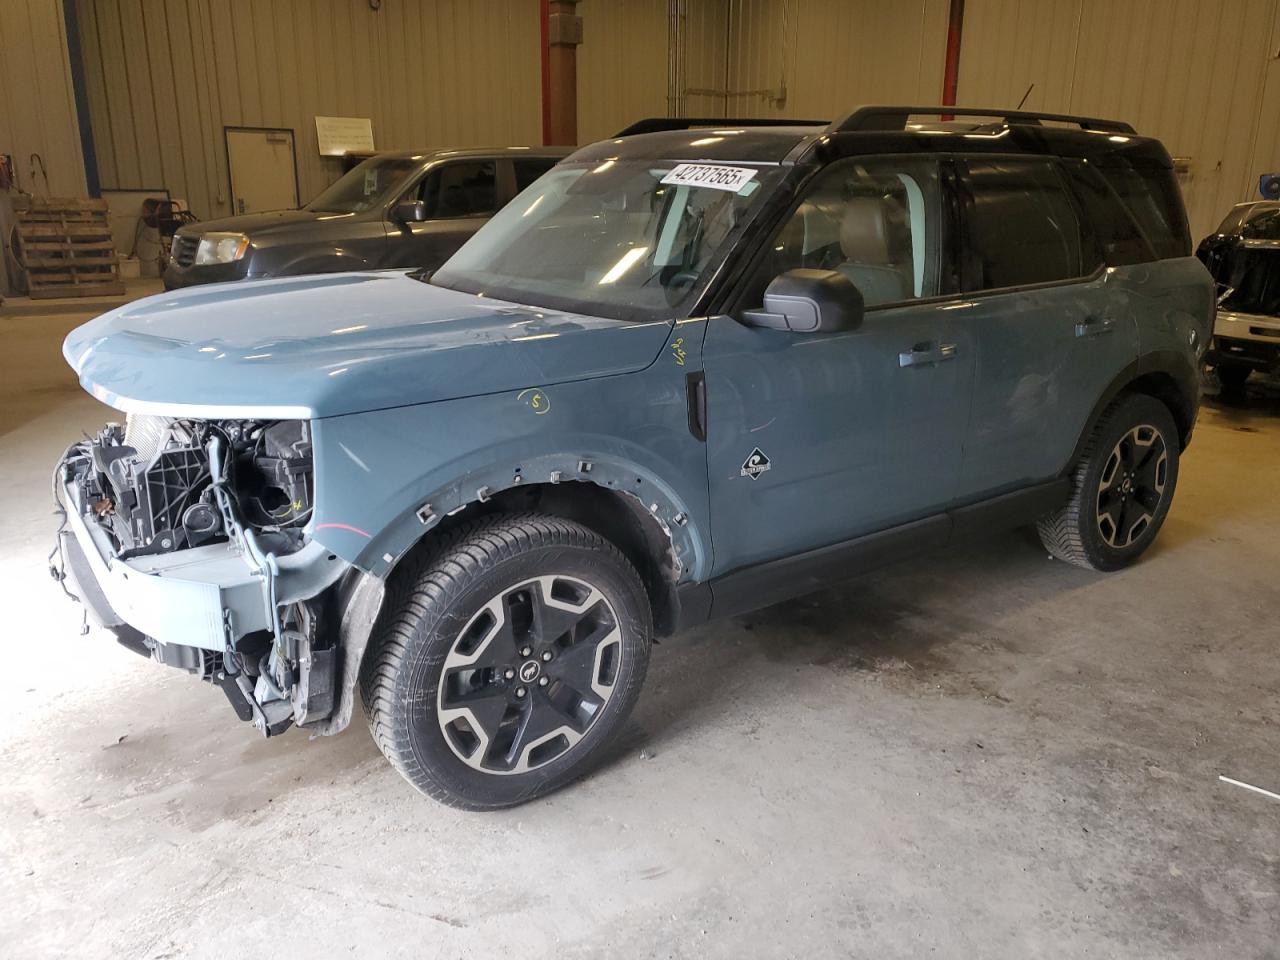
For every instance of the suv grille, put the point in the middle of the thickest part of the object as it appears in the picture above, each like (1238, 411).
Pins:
(184, 250)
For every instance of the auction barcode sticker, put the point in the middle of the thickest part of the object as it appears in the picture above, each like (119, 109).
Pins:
(710, 175)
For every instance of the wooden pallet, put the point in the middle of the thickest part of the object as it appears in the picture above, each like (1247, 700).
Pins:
(67, 250)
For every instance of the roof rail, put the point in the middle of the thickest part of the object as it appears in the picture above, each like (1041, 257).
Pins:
(659, 124)
(895, 118)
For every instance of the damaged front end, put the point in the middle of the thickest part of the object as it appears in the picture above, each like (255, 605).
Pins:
(190, 541)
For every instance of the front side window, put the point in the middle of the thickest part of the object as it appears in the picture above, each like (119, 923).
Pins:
(876, 222)
(611, 239)
(364, 185)
(1021, 225)
(462, 188)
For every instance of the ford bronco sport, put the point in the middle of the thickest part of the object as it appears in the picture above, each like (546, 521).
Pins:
(692, 371)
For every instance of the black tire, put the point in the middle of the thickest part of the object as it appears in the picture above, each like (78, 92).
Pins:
(489, 578)
(1107, 523)
(1232, 376)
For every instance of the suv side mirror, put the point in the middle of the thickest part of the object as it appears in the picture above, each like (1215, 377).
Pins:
(809, 301)
(409, 211)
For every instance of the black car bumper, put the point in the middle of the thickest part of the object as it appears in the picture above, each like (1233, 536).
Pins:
(176, 277)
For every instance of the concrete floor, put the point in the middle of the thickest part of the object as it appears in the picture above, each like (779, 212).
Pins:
(980, 754)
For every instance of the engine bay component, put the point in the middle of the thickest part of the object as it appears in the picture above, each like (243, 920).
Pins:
(151, 482)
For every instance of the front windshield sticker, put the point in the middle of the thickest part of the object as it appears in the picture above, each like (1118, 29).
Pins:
(710, 175)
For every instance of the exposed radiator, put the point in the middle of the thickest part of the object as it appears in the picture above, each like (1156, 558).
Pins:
(146, 434)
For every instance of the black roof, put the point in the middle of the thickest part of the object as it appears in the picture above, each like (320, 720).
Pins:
(877, 130)
(442, 153)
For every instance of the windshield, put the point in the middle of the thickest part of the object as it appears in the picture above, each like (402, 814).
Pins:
(364, 185)
(1264, 225)
(629, 239)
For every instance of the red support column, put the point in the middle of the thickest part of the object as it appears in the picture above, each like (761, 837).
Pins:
(561, 34)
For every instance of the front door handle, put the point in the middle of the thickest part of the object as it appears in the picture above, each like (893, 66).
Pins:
(1095, 326)
(926, 353)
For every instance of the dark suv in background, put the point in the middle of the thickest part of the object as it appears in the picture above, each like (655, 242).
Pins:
(407, 209)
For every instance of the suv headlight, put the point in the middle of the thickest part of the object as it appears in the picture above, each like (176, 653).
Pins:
(221, 248)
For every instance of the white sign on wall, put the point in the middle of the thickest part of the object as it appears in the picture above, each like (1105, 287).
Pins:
(341, 135)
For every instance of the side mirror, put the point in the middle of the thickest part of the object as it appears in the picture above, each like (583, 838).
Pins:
(809, 301)
(409, 211)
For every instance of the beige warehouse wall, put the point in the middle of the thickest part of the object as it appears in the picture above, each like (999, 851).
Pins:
(622, 65)
(1203, 77)
(756, 58)
(165, 76)
(37, 106)
(829, 56)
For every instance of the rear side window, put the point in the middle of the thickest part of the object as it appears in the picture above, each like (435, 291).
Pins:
(1118, 237)
(1021, 225)
(1151, 194)
(530, 169)
(463, 188)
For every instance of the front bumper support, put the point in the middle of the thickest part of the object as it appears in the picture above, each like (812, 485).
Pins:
(208, 596)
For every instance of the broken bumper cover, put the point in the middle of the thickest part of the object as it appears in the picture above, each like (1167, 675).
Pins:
(207, 596)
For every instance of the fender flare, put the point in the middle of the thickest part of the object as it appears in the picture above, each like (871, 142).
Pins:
(1169, 363)
(690, 545)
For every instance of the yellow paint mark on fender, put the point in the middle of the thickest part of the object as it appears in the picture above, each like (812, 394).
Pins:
(536, 400)
(677, 350)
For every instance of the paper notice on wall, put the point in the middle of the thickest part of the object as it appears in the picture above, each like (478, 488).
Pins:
(341, 135)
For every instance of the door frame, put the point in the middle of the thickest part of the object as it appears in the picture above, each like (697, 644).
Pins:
(226, 151)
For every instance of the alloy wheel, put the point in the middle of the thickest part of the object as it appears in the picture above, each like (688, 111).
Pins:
(529, 674)
(1132, 485)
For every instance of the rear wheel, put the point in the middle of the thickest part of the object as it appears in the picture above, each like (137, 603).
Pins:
(1122, 487)
(509, 659)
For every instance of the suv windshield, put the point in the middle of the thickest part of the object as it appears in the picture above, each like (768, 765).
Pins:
(364, 185)
(628, 239)
(1264, 225)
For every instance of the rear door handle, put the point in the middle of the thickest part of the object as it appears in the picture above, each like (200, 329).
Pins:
(926, 353)
(1095, 326)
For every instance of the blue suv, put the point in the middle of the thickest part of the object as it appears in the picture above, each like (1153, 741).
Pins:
(693, 370)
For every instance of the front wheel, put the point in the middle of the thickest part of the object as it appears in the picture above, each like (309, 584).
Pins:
(507, 660)
(1121, 490)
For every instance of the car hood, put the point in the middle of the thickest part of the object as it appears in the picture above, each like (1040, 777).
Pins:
(342, 343)
(259, 224)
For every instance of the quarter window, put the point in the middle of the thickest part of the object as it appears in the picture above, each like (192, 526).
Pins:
(531, 169)
(1119, 239)
(1151, 194)
(876, 223)
(1021, 225)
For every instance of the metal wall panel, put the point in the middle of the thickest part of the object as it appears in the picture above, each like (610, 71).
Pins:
(622, 64)
(38, 111)
(818, 59)
(1203, 77)
(166, 76)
